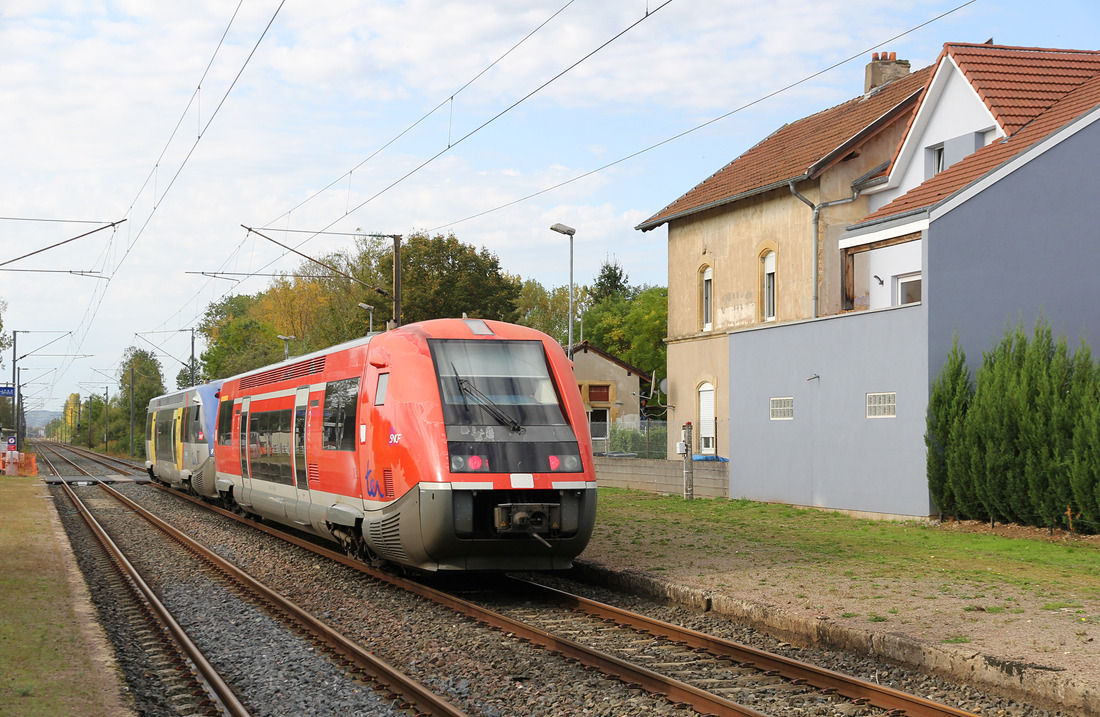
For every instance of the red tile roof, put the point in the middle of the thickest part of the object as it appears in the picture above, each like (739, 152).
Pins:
(795, 149)
(1018, 84)
(1009, 96)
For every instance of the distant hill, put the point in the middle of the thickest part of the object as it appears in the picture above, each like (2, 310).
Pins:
(39, 419)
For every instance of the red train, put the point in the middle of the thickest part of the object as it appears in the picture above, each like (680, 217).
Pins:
(454, 444)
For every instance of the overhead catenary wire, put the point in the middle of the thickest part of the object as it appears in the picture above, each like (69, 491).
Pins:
(401, 134)
(709, 122)
(632, 155)
(97, 297)
(451, 145)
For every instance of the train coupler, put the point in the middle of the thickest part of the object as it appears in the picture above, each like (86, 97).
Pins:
(534, 519)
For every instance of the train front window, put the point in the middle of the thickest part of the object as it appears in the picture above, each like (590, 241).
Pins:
(502, 410)
(481, 382)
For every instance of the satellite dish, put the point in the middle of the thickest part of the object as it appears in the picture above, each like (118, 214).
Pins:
(663, 386)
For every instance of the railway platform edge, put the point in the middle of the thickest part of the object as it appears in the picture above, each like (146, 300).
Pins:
(98, 648)
(1050, 690)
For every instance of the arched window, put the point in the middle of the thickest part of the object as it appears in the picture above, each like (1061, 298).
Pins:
(768, 288)
(707, 289)
(706, 419)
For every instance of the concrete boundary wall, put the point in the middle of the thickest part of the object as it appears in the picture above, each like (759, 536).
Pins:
(710, 479)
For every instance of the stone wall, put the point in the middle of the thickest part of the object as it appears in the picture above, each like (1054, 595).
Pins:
(710, 479)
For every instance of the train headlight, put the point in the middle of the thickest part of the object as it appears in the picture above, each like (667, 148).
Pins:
(572, 464)
(457, 463)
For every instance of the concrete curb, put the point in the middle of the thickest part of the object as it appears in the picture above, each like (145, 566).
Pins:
(1021, 681)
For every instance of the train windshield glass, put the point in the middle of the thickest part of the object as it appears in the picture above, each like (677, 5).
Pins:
(496, 382)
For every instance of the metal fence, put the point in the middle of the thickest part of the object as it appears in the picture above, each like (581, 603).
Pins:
(634, 439)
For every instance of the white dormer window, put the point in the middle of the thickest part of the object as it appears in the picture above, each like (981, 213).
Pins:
(936, 160)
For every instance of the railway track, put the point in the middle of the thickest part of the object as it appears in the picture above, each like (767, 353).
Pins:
(395, 693)
(119, 466)
(709, 662)
(188, 681)
(689, 669)
(648, 658)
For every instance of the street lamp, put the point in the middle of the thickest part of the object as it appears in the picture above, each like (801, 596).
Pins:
(286, 345)
(569, 232)
(369, 308)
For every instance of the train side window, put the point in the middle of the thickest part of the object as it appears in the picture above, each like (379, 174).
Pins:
(339, 417)
(380, 393)
(225, 422)
(194, 426)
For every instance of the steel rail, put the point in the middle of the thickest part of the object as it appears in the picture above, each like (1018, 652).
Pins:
(633, 675)
(416, 693)
(65, 458)
(101, 459)
(49, 464)
(216, 686)
(850, 687)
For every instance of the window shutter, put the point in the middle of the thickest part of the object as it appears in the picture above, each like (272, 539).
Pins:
(706, 418)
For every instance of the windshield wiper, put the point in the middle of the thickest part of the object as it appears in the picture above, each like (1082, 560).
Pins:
(466, 386)
(461, 389)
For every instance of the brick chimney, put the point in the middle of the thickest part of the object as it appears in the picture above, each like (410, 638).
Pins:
(884, 67)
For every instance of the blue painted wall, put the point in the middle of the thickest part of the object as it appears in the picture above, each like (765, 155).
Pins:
(1029, 244)
(831, 455)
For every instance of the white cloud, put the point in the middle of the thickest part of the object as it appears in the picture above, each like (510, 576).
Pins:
(91, 92)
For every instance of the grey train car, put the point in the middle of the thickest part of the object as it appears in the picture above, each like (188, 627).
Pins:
(179, 438)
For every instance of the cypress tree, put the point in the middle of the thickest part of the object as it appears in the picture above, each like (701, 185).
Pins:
(1046, 429)
(1085, 471)
(992, 429)
(947, 403)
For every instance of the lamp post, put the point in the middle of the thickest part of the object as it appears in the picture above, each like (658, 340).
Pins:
(569, 232)
(286, 345)
(369, 308)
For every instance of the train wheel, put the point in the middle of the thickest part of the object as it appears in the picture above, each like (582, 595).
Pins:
(230, 503)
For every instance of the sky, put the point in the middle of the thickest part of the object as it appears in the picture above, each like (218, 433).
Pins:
(492, 120)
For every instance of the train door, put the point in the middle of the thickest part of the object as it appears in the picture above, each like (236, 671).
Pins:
(177, 437)
(244, 442)
(151, 438)
(301, 471)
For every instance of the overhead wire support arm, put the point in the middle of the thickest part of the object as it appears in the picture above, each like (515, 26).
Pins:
(60, 243)
(349, 277)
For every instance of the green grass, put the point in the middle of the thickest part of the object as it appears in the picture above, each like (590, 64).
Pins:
(883, 553)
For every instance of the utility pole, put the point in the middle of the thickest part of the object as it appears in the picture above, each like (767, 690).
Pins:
(132, 393)
(396, 280)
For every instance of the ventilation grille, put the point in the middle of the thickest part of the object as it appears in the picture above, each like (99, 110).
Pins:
(313, 471)
(387, 482)
(385, 537)
(285, 373)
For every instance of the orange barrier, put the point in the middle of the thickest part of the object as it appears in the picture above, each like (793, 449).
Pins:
(25, 464)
